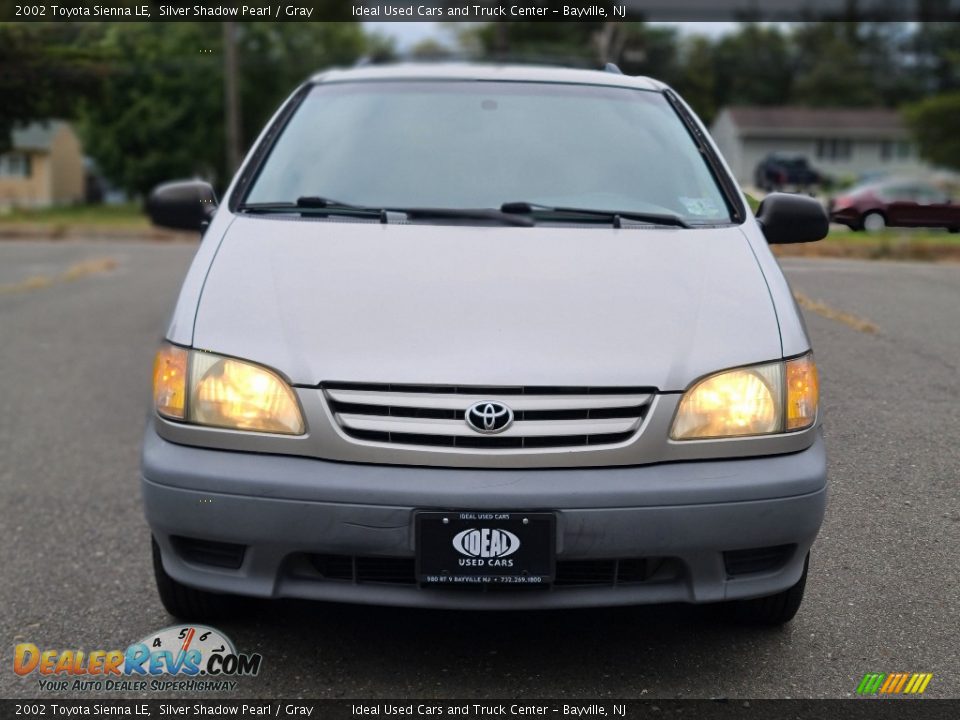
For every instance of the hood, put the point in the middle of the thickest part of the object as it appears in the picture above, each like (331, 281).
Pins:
(429, 304)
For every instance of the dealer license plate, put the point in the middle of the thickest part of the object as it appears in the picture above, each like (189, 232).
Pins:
(483, 547)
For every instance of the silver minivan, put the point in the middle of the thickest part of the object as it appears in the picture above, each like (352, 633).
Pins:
(484, 337)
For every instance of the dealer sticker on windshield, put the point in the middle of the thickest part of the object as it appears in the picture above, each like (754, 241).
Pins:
(701, 207)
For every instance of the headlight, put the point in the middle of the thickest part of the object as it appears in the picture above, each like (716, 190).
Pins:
(208, 389)
(759, 400)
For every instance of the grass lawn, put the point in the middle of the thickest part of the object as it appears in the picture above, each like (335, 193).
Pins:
(909, 236)
(129, 215)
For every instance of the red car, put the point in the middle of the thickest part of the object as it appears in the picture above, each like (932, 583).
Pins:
(895, 203)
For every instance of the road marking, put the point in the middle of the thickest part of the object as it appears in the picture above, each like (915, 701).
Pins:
(849, 319)
(96, 266)
(89, 267)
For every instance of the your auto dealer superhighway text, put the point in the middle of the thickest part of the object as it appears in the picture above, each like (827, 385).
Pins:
(474, 709)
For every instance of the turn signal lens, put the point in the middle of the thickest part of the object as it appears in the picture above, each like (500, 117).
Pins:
(732, 404)
(803, 393)
(233, 394)
(170, 381)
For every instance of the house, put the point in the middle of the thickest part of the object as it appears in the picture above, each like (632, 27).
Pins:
(840, 142)
(43, 167)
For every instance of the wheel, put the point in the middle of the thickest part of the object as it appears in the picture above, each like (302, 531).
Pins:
(187, 603)
(774, 609)
(874, 221)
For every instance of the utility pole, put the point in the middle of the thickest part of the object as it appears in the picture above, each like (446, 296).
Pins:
(231, 96)
(501, 40)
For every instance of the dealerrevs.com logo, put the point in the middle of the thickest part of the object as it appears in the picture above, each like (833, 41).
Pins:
(180, 657)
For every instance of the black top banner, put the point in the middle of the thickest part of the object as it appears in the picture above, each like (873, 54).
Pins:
(479, 10)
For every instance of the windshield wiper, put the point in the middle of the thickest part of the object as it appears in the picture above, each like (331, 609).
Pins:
(311, 204)
(323, 206)
(615, 216)
(467, 214)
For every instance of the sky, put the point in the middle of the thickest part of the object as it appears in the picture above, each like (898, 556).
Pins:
(408, 34)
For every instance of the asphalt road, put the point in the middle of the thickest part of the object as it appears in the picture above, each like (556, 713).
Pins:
(78, 326)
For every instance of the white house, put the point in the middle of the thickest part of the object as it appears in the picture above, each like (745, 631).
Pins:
(837, 141)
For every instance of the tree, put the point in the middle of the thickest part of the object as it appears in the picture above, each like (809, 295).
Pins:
(753, 67)
(430, 49)
(276, 57)
(697, 80)
(648, 50)
(570, 43)
(935, 50)
(934, 124)
(637, 48)
(44, 69)
(160, 115)
(889, 53)
(830, 68)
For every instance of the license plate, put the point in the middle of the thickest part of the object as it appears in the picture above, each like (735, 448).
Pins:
(481, 547)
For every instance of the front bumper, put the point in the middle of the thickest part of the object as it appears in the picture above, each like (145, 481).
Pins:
(285, 510)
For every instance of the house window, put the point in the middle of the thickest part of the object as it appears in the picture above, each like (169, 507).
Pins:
(895, 150)
(834, 149)
(15, 165)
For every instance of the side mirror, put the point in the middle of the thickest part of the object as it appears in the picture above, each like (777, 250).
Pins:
(182, 205)
(787, 218)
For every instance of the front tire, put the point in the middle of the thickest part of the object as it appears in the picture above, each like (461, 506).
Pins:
(874, 222)
(776, 609)
(187, 603)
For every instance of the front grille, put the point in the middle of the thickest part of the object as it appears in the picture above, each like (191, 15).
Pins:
(570, 573)
(433, 415)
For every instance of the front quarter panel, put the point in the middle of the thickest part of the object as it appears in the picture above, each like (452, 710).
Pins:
(793, 331)
(180, 329)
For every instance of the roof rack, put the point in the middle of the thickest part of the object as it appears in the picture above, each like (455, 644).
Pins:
(612, 68)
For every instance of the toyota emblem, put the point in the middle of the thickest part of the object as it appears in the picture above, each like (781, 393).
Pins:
(489, 417)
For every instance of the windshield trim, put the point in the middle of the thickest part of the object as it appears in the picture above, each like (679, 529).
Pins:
(250, 171)
(728, 189)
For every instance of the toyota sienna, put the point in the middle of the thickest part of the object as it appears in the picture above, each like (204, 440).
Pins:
(477, 337)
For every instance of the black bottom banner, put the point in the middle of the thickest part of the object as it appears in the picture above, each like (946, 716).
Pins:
(867, 709)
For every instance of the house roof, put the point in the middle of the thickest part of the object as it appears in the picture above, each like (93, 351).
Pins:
(764, 119)
(36, 135)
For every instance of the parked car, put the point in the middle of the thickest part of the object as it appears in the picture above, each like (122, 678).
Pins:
(779, 172)
(461, 327)
(895, 203)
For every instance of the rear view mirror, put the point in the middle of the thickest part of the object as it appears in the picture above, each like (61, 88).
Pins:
(787, 218)
(182, 205)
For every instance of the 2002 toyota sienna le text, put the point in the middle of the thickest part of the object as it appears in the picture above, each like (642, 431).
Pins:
(462, 328)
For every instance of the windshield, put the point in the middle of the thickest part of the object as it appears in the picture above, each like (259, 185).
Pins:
(472, 144)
